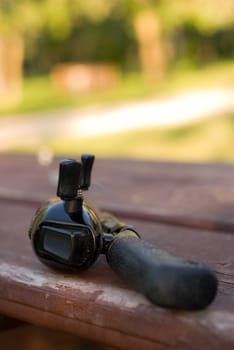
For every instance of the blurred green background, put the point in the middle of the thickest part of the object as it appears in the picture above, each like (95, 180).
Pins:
(88, 56)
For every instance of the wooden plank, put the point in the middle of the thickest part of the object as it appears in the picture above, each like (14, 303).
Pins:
(28, 337)
(195, 195)
(8, 323)
(97, 305)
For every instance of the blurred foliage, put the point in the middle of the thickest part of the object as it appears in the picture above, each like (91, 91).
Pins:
(90, 30)
(58, 16)
(194, 48)
(205, 15)
(87, 42)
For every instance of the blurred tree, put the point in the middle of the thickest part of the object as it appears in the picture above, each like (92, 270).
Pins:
(148, 19)
(206, 15)
(200, 30)
(24, 18)
(108, 33)
(111, 40)
(147, 24)
(17, 17)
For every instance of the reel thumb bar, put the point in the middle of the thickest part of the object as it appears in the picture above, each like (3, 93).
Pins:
(165, 280)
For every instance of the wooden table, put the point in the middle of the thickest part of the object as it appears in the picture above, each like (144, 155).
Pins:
(187, 209)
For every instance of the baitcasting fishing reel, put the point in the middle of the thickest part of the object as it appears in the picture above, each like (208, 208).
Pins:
(70, 234)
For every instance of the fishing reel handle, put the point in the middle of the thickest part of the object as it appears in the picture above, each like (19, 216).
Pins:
(164, 279)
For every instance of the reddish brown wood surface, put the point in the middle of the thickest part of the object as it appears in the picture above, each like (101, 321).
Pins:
(96, 304)
(29, 337)
(196, 195)
(8, 323)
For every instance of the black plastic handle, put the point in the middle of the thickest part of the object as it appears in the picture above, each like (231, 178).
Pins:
(165, 280)
(87, 161)
(69, 177)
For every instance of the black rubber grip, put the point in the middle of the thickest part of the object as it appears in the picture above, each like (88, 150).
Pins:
(165, 280)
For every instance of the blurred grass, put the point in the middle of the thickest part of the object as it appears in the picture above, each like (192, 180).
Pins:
(211, 139)
(205, 140)
(40, 94)
(208, 140)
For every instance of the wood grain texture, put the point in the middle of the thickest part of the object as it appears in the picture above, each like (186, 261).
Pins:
(96, 304)
(193, 195)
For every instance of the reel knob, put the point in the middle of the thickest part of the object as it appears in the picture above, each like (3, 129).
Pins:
(69, 179)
